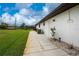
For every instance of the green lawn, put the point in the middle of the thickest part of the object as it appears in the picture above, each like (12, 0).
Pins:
(12, 42)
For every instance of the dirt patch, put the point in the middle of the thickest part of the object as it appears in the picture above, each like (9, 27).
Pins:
(69, 48)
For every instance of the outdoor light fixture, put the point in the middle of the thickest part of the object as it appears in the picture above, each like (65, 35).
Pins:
(69, 20)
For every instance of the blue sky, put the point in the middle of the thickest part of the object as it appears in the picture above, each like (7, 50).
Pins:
(28, 13)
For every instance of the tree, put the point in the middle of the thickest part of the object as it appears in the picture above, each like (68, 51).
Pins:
(4, 26)
(22, 26)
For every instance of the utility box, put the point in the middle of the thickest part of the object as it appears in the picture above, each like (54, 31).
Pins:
(39, 31)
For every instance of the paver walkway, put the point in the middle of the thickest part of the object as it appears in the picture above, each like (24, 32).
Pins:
(39, 45)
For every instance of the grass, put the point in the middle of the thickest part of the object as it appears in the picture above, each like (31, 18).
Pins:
(12, 42)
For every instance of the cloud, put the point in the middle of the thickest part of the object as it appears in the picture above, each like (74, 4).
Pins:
(19, 19)
(22, 19)
(48, 8)
(29, 17)
(26, 14)
(32, 20)
(12, 21)
(6, 17)
(45, 9)
(24, 11)
(0, 7)
(52, 6)
(23, 5)
(6, 9)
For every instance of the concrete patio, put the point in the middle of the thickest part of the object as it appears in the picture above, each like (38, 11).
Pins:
(39, 45)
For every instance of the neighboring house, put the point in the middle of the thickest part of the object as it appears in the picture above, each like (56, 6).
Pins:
(65, 20)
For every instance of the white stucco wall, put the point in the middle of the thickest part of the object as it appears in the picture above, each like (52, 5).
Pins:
(69, 32)
(37, 26)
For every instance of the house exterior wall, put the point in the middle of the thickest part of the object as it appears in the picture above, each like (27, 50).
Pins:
(69, 32)
(37, 26)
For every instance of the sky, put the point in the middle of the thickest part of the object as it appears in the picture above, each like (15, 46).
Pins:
(28, 13)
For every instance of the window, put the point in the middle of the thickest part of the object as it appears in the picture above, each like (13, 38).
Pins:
(39, 25)
(53, 20)
(43, 23)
